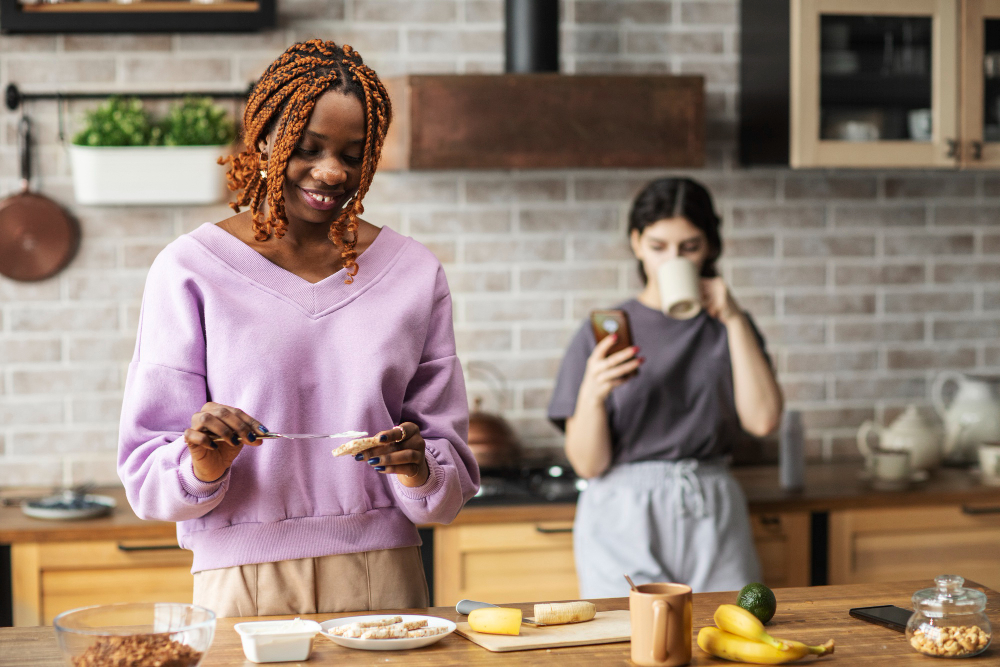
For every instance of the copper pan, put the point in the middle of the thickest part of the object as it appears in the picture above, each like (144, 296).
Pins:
(38, 238)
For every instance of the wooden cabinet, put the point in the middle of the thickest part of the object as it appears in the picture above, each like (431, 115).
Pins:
(504, 562)
(871, 83)
(783, 541)
(911, 543)
(49, 578)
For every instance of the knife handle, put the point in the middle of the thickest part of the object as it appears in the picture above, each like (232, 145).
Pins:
(465, 606)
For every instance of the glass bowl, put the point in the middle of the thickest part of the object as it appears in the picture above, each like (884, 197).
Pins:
(138, 634)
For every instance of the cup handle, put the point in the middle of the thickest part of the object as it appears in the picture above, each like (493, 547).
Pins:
(661, 616)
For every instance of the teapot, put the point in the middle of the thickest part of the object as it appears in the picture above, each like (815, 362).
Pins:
(492, 439)
(973, 415)
(909, 433)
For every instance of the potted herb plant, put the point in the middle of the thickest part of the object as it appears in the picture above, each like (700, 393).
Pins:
(123, 156)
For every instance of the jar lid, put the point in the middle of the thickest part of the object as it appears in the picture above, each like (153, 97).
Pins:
(949, 598)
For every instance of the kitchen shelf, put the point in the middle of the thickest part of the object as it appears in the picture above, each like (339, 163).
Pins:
(149, 16)
(875, 90)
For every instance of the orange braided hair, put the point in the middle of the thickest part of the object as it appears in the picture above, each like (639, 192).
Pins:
(282, 101)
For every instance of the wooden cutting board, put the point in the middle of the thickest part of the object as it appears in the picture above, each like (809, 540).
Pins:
(607, 627)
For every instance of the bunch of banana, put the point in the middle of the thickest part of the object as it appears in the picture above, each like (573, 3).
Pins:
(741, 637)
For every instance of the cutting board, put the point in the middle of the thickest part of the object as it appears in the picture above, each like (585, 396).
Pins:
(607, 627)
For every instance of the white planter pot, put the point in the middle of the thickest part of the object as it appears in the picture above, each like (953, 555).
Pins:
(148, 174)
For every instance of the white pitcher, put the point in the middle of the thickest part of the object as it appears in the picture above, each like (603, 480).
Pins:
(908, 433)
(973, 415)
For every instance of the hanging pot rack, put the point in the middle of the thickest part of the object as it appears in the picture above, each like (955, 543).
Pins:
(14, 97)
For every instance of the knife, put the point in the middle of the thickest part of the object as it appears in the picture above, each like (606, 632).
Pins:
(304, 436)
(466, 606)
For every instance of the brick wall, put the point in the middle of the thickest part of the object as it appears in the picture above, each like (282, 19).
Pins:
(866, 283)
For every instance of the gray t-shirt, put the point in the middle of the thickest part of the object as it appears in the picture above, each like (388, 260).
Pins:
(680, 403)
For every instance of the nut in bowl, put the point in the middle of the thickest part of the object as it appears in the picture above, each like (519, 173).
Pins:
(141, 634)
(386, 632)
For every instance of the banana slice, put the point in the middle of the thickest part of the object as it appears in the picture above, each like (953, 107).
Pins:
(557, 613)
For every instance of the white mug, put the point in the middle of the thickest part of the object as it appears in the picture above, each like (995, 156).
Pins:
(890, 469)
(680, 288)
(989, 463)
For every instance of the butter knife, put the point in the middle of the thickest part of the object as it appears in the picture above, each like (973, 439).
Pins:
(304, 436)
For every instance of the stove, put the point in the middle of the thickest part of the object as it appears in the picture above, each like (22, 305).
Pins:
(529, 485)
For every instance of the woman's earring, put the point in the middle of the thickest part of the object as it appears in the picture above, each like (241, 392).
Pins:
(262, 163)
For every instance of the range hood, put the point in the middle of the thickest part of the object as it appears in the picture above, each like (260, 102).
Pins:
(532, 117)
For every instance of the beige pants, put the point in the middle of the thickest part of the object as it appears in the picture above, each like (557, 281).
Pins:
(365, 581)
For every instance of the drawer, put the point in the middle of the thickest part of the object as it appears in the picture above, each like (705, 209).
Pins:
(121, 553)
(67, 589)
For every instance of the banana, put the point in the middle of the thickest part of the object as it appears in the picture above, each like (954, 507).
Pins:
(564, 612)
(726, 645)
(739, 621)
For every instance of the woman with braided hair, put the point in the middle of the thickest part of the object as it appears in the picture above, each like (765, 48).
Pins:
(297, 313)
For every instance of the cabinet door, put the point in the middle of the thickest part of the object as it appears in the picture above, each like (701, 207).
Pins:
(504, 562)
(900, 544)
(874, 83)
(783, 542)
(51, 578)
(980, 67)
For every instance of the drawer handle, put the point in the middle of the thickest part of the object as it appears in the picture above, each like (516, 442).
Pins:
(148, 547)
(770, 520)
(553, 531)
(980, 510)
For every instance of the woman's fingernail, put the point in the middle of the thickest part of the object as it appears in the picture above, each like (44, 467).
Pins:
(635, 348)
(252, 437)
(375, 459)
(383, 438)
(642, 360)
(614, 336)
(263, 429)
(235, 439)
(379, 468)
(359, 457)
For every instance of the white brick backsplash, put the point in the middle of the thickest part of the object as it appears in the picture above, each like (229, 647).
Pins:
(865, 283)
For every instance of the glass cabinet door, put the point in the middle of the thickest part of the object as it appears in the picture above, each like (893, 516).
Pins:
(980, 108)
(874, 83)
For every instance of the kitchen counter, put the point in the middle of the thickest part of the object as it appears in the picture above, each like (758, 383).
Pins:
(812, 615)
(832, 486)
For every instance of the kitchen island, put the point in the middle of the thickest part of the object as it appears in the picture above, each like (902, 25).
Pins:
(812, 615)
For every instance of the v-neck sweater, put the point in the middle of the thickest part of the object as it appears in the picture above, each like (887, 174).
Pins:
(220, 322)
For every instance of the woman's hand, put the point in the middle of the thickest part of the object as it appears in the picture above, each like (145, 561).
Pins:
(403, 455)
(603, 372)
(717, 300)
(216, 437)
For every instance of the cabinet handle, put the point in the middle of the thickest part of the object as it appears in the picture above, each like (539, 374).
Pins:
(977, 150)
(980, 510)
(954, 148)
(770, 520)
(148, 547)
(552, 531)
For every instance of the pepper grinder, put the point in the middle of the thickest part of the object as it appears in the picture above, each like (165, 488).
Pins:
(791, 454)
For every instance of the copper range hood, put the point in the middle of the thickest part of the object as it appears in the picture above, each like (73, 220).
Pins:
(533, 117)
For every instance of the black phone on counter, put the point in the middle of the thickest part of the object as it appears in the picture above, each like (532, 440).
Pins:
(886, 615)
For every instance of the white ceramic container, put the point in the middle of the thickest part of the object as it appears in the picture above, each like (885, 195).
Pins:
(277, 641)
(118, 175)
(972, 416)
(909, 433)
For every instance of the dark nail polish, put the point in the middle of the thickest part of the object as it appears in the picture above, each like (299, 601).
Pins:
(359, 457)
(383, 438)
(379, 468)
(372, 461)
(235, 439)
(263, 429)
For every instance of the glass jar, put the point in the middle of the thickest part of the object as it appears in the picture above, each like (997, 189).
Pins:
(949, 621)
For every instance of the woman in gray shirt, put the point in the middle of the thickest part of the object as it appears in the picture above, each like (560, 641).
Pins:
(651, 426)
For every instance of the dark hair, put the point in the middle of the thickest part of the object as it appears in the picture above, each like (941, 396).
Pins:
(282, 100)
(678, 198)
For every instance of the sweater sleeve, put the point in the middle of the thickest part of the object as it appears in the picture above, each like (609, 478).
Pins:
(165, 386)
(435, 400)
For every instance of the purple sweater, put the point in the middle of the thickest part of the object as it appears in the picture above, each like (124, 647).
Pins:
(220, 322)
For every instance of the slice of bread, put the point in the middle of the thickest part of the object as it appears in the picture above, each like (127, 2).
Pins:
(356, 446)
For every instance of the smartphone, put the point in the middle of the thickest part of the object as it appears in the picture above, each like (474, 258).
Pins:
(607, 322)
(886, 615)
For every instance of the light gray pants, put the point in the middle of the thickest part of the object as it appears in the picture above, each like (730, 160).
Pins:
(683, 522)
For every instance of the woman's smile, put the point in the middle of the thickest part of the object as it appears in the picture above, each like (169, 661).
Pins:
(322, 201)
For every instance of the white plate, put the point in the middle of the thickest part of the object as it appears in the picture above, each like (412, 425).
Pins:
(96, 506)
(387, 644)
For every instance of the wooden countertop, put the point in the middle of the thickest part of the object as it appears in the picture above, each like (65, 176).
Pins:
(812, 615)
(829, 487)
